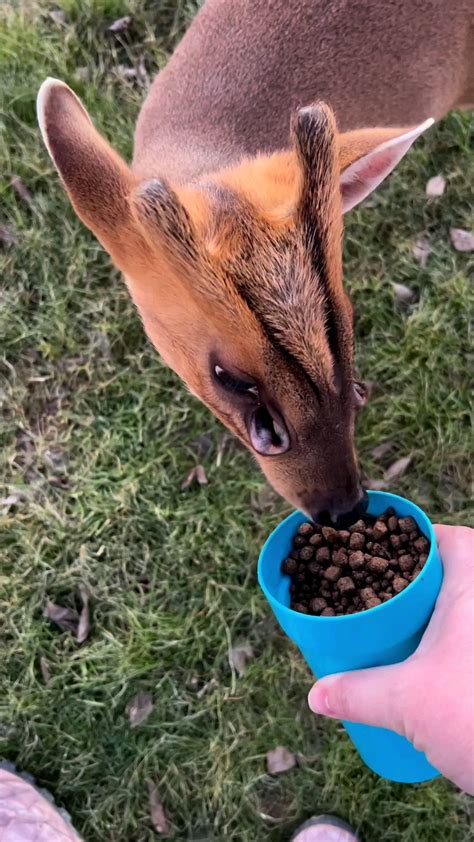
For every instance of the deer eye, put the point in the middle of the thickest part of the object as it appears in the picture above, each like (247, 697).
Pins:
(233, 384)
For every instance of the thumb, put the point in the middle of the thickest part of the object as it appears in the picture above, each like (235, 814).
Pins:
(371, 696)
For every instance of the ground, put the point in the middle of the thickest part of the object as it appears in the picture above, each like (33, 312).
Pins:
(97, 436)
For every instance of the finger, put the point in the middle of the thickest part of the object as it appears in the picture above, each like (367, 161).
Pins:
(456, 548)
(372, 696)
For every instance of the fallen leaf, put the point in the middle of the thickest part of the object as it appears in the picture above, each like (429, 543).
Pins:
(421, 251)
(59, 16)
(280, 760)
(83, 73)
(462, 240)
(435, 186)
(238, 657)
(12, 499)
(139, 708)
(127, 73)
(403, 293)
(7, 237)
(120, 25)
(157, 811)
(84, 617)
(45, 671)
(375, 484)
(208, 688)
(20, 187)
(196, 474)
(397, 469)
(382, 449)
(66, 618)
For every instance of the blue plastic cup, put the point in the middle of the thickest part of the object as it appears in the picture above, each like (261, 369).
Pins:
(386, 634)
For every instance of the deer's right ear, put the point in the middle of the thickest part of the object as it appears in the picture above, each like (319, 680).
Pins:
(97, 180)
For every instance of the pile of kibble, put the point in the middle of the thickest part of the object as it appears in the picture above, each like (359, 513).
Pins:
(342, 571)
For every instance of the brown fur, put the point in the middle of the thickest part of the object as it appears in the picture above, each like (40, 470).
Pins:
(229, 236)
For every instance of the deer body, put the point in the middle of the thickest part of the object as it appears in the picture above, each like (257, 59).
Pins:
(228, 225)
(243, 67)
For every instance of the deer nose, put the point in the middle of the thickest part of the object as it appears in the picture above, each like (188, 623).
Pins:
(341, 520)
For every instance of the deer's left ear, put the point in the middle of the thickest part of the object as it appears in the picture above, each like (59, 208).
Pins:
(367, 156)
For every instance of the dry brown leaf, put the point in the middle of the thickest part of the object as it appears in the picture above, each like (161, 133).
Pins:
(20, 187)
(280, 760)
(84, 617)
(139, 708)
(120, 25)
(157, 811)
(403, 293)
(59, 16)
(421, 250)
(238, 657)
(435, 186)
(382, 449)
(196, 474)
(12, 499)
(462, 240)
(66, 618)
(7, 237)
(208, 688)
(45, 671)
(398, 468)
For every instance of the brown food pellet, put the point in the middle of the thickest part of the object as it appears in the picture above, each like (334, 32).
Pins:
(367, 593)
(330, 534)
(295, 554)
(423, 559)
(346, 585)
(406, 576)
(339, 557)
(306, 529)
(356, 560)
(369, 545)
(420, 545)
(314, 568)
(298, 606)
(369, 579)
(380, 550)
(322, 554)
(407, 525)
(316, 540)
(389, 575)
(395, 541)
(406, 562)
(392, 523)
(306, 553)
(289, 566)
(318, 604)
(376, 586)
(358, 576)
(356, 541)
(358, 526)
(344, 536)
(371, 603)
(333, 573)
(299, 541)
(399, 584)
(328, 612)
(378, 565)
(379, 530)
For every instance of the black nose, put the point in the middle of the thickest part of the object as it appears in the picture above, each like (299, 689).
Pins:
(345, 519)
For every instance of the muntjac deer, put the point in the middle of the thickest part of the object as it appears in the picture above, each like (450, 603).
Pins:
(271, 120)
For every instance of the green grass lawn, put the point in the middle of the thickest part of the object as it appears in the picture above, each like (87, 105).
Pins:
(97, 437)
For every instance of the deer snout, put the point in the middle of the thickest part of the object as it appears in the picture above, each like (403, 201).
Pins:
(340, 509)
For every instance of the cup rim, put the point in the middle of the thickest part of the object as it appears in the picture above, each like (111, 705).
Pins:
(359, 615)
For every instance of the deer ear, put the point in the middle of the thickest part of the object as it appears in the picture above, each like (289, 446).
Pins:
(96, 178)
(367, 156)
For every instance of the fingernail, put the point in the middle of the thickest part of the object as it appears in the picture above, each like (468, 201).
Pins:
(318, 701)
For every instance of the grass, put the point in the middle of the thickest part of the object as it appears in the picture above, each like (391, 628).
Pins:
(96, 438)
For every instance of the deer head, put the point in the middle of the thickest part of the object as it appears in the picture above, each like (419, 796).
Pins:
(238, 281)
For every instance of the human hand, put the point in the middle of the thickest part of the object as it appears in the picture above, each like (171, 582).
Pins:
(429, 698)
